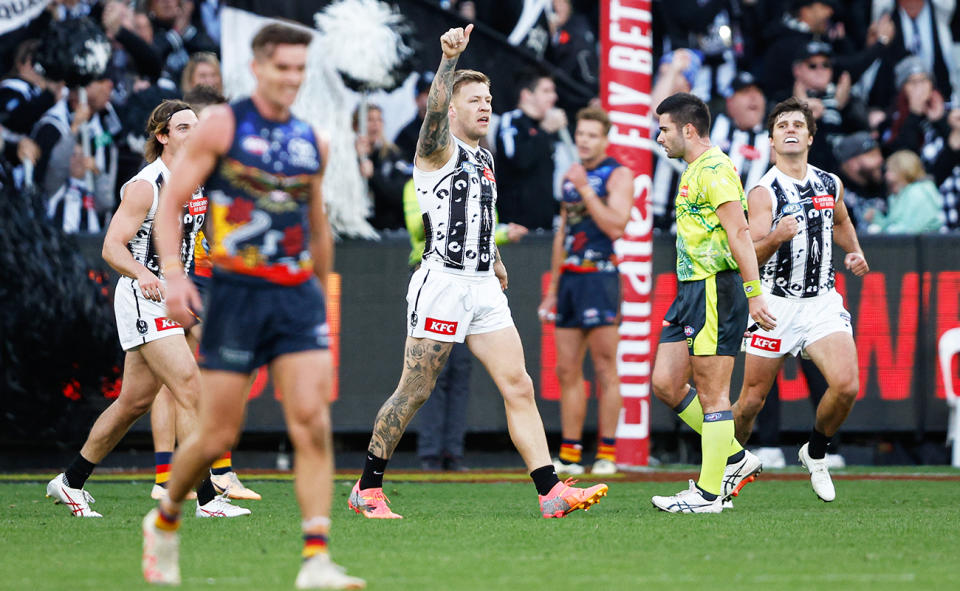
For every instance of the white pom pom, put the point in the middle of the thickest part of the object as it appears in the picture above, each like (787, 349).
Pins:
(363, 39)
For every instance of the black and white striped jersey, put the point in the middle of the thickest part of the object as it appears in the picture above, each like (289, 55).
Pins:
(458, 203)
(803, 266)
(748, 150)
(142, 246)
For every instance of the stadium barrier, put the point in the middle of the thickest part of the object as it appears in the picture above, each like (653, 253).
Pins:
(901, 312)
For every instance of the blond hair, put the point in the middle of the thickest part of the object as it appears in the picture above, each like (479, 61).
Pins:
(461, 77)
(908, 165)
(595, 114)
(201, 57)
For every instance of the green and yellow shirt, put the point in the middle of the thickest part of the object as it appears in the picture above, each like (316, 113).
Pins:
(702, 246)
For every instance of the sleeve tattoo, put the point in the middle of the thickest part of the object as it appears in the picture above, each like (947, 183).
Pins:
(435, 131)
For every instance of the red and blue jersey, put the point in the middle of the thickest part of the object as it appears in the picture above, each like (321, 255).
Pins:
(260, 196)
(586, 248)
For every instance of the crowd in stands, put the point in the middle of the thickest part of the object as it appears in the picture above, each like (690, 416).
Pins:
(882, 78)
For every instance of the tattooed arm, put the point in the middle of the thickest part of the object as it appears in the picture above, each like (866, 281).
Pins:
(423, 359)
(434, 147)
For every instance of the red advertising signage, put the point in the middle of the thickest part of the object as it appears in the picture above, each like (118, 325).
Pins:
(626, 73)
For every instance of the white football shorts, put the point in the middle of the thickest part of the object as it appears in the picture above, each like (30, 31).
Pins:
(800, 322)
(140, 320)
(447, 307)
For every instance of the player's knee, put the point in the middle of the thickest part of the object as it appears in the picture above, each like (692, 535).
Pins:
(517, 388)
(848, 388)
(664, 388)
(750, 405)
(568, 373)
(136, 407)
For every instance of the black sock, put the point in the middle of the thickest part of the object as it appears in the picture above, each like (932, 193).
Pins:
(544, 479)
(736, 457)
(708, 496)
(373, 469)
(78, 471)
(205, 492)
(818, 445)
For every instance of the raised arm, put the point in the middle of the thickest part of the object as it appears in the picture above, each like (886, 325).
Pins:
(433, 146)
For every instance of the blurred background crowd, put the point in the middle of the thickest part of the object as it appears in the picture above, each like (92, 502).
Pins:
(881, 76)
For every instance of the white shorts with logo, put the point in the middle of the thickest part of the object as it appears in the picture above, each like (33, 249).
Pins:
(447, 307)
(800, 322)
(140, 320)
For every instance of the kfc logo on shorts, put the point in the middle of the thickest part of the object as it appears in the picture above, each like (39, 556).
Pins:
(765, 343)
(823, 201)
(440, 326)
(166, 324)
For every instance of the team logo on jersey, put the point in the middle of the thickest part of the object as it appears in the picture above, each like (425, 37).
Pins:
(823, 201)
(166, 324)
(142, 327)
(440, 326)
(791, 208)
(765, 343)
(468, 167)
(302, 153)
(488, 174)
(254, 144)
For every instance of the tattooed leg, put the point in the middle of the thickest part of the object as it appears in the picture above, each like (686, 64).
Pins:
(422, 361)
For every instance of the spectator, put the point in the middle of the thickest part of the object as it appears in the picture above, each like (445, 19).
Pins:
(206, 18)
(833, 107)
(174, 35)
(132, 56)
(25, 95)
(385, 170)
(946, 170)
(713, 28)
(922, 30)
(741, 133)
(55, 135)
(406, 140)
(861, 171)
(916, 206)
(918, 109)
(573, 46)
(525, 145)
(72, 207)
(203, 68)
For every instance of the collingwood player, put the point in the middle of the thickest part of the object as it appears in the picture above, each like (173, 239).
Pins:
(457, 293)
(156, 350)
(796, 214)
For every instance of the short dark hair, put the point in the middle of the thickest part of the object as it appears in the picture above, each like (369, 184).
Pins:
(267, 38)
(159, 124)
(202, 95)
(792, 104)
(685, 108)
(595, 114)
(529, 78)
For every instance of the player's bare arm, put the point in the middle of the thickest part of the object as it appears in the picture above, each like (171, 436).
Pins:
(321, 236)
(767, 241)
(194, 163)
(845, 236)
(741, 246)
(433, 146)
(134, 207)
(499, 269)
(547, 307)
(422, 361)
(611, 217)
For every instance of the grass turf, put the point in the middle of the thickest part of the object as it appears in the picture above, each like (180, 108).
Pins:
(877, 535)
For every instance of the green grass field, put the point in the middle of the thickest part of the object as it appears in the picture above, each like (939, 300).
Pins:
(879, 534)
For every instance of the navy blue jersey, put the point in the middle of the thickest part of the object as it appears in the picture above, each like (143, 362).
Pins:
(586, 248)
